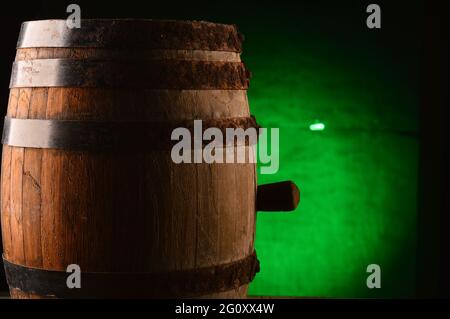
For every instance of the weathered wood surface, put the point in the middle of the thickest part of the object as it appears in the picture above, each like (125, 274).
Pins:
(133, 211)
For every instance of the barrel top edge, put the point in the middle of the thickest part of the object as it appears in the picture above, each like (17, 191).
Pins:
(135, 33)
(124, 20)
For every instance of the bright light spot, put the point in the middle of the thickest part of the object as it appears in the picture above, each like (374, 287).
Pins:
(317, 127)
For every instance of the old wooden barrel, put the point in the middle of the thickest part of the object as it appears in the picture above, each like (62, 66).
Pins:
(87, 176)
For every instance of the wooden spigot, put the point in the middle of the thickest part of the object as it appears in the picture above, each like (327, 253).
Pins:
(281, 196)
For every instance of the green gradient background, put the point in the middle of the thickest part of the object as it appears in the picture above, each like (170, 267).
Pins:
(358, 177)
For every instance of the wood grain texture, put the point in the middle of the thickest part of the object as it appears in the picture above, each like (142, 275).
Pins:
(124, 212)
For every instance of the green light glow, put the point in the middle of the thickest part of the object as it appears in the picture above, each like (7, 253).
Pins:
(317, 127)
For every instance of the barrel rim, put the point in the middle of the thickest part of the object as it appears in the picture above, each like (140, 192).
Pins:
(127, 32)
(137, 19)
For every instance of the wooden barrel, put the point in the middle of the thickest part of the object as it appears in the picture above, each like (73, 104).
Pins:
(87, 177)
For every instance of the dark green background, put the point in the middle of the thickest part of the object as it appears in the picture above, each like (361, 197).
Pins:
(317, 61)
(358, 177)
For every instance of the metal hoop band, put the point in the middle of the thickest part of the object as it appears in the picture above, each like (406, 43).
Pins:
(131, 33)
(151, 74)
(104, 135)
(185, 283)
